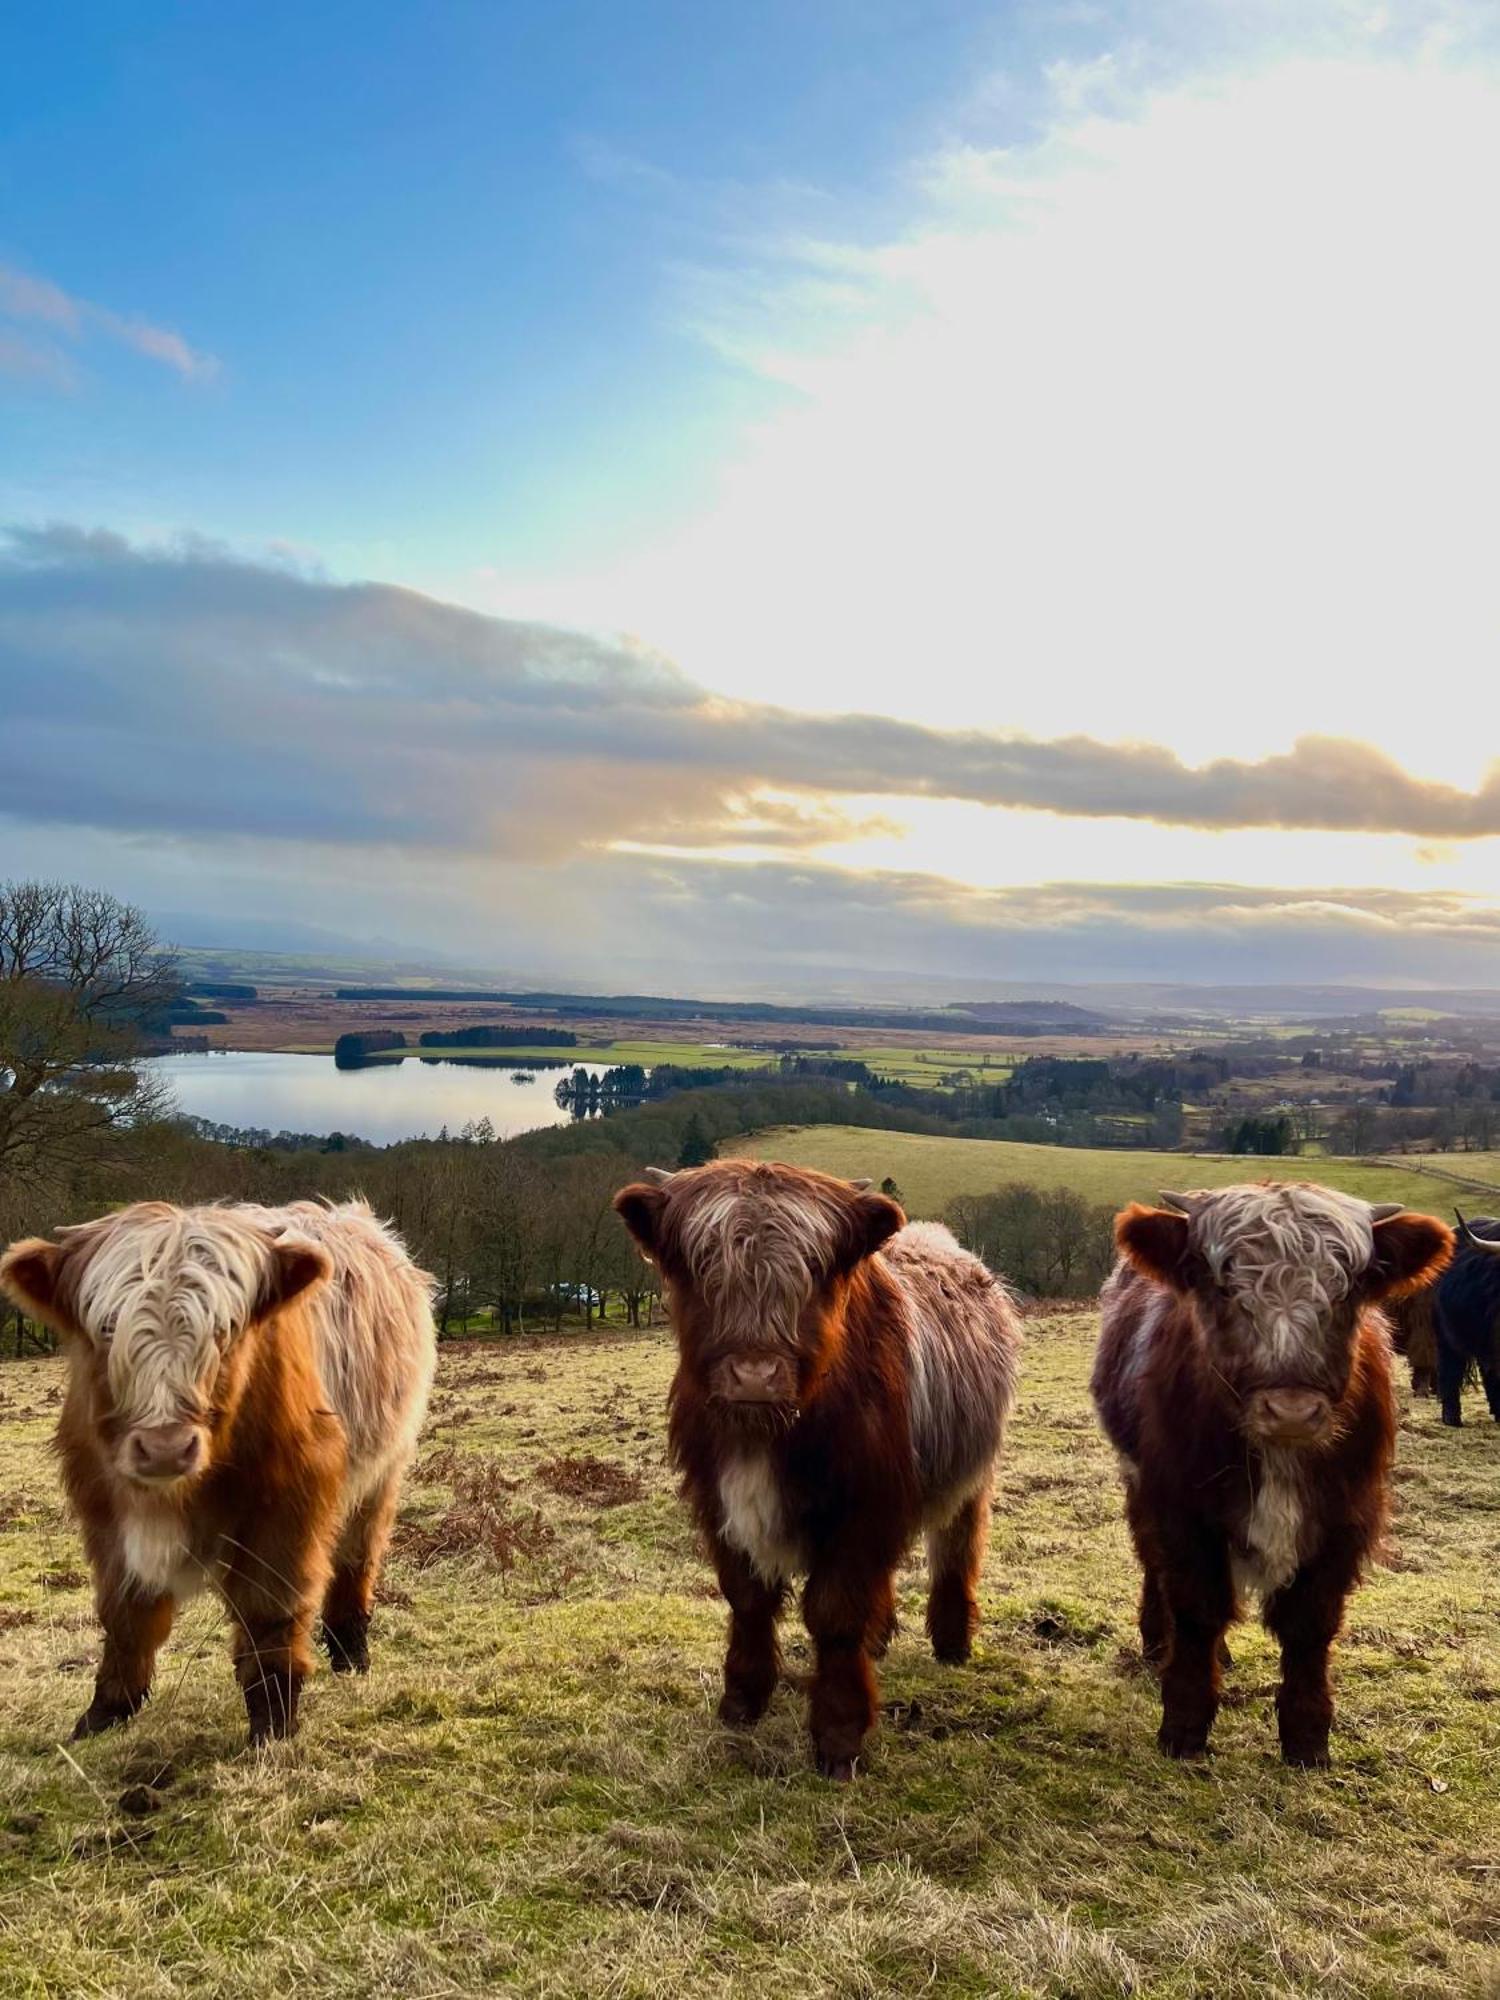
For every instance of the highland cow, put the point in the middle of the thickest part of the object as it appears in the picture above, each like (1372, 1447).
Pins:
(843, 1380)
(245, 1392)
(1466, 1316)
(1243, 1376)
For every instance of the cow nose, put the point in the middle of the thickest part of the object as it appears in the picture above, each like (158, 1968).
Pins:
(165, 1451)
(1298, 1409)
(756, 1374)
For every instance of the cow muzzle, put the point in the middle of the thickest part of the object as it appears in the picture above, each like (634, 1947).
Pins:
(754, 1379)
(161, 1454)
(1289, 1416)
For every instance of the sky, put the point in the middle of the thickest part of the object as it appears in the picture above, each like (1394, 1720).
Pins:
(802, 494)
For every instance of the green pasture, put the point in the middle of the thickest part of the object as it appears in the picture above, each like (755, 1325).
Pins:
(931, 1172)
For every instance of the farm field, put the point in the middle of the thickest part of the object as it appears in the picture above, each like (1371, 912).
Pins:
(530, 1792)
(1466, 1176)
(307, 1021)
(931, 1172)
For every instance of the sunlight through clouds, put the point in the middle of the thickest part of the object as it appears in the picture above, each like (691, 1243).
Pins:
(1178, 424)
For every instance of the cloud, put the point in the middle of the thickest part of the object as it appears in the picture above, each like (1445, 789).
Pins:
(829, 924)
(24, 297)
(1158, 400)
(183, 689)
(26, 360)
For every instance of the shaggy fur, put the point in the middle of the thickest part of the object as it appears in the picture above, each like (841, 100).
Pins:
(289, 1353)
(1414, 1337)
(1466, 1319)
(897, 1353)
(1224, 1298)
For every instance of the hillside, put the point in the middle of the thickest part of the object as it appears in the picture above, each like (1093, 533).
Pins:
(530, 1792)
(930, 1172)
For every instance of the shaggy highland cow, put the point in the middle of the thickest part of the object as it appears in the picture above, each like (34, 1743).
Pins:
(1243, 1376)
(1414, 1337)
(245, 1392)
(843, 1380)
(1466, 1318)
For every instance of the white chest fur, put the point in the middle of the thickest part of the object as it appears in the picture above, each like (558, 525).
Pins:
(754, 1518)
(158, 1558)
(1274, 1531)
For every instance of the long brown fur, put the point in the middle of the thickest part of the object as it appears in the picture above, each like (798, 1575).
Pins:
(904, 1350)
(1178, 1357)
(316, 1392)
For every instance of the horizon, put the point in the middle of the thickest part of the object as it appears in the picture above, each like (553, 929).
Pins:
(970, 494)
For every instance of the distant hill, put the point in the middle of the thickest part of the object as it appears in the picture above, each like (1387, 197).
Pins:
(1059, 1016)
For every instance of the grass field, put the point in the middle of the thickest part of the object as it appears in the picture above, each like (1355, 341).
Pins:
(530, 1792)
(930, 1172)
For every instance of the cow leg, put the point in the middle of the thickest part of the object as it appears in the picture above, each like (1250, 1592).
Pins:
(356, 1571)
(842, 1605)
(1451, 1367)
(1155, 1622)
(1489, 1375)
(878, 1638)
(274, 1588)
(752, 1663)
(1305, 1616)
(1199, 1590)
(134, 1630)
(955, 1555)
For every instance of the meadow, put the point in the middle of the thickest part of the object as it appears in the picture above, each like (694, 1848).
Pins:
(931, 1172)
(530, 1791)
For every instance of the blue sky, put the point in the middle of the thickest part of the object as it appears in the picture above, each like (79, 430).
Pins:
(903, 484)
(431, 247)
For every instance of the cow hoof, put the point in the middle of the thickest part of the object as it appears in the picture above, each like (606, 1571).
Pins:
(1306, 1757)
(347, 1656)
(263, 1734)
(738, 1710)
(1182, 1744)
(839, 1769)
(97, 1718)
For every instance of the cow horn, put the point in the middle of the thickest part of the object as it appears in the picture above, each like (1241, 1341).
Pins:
(862, 1187)
(1465, 1229)
(1382, 1211)
(658, 1176)
(1185, 1204)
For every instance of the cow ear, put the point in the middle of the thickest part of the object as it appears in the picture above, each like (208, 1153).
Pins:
(1409, 1252)
(873, 1220)
(639, 1207)
(294, 1266)
(30, 1273)
(1155, 1241)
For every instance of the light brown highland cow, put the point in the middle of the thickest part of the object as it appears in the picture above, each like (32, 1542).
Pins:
(245, 1393)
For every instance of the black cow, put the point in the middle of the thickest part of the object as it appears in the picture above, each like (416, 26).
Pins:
(1466, 1311)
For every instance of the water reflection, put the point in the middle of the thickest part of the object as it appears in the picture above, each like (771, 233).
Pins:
(382, 1102)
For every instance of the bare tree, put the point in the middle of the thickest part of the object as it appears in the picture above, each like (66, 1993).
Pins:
(81, 978)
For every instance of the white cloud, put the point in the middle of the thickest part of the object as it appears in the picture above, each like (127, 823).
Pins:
(1176, 422)
(25, 297)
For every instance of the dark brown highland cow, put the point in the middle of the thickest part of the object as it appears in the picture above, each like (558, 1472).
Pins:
(245, 1392)
(1414, 1337)
(1243, 1376)
(843, 1380)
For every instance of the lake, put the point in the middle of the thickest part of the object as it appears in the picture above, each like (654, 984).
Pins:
(382, 1102)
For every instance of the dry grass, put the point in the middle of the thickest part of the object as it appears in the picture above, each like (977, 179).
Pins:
(530, 1791)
